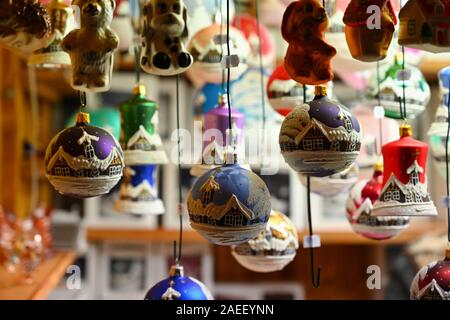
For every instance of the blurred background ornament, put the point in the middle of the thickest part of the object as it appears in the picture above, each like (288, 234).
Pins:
(417, 90)
(164, 35)
(432, 282)
(215, 129)
(359, 210)
(207, 53)
(424, 25)
(308, 58)
(92, 46)
(335, 184)
(84, 161)
(122, 25)
(404, 191)
(7, 233)
(271, 11)
(369, 36)
(248, 25)
(25, 25)
(138, 192)
(229, 205)
(179, 287)
(273, 249)
(139, 136)
(41, 217)
(321, 137)
(62, 22)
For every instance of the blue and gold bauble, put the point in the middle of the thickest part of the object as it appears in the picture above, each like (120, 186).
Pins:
(84, 161)
(229, 205)
(138, 192)
(321, 137)
(179, 287)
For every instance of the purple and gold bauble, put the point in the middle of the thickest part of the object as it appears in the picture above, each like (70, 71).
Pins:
(321, 137)
(139, 136)
(84, 161)
(335, 184)
(179, 287)
(273, 249)
(138, 192)
(53, 56)
(25, 25)
(215, 128)
(432, 282)
(229, 205)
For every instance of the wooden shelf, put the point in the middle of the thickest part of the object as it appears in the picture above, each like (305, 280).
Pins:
(45, 279)
(189, 236)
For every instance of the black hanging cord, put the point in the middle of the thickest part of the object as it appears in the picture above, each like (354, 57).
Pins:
(380, 121)
(447, 170)
(177, 256)
(404, 83)
(219, 3)
(82, 95)
(137, 55)
(314, 280)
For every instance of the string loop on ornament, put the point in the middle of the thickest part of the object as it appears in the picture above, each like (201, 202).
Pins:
(83, 103)
(315, 278)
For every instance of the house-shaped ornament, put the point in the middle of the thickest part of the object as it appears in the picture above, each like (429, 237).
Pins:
(367, 41)
(404, 190)
(425, 25)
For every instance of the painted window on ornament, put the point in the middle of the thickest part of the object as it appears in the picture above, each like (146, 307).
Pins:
(348, 124)
(388, 196)
(411, 27)
(335, 146)
(307, 145)
(207, 197)
(228, 220)
(415, 178)
(57, 171)
(89, 151)
(65, 172)
(396, 195)
(317, 144)
(352, 146)
(418, 198)
(211, 221)
(114, 170)
(95, 173)
(408, 198)
(79, 173)
(238, 220)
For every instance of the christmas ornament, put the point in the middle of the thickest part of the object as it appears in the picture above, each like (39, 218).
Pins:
(208, 52)
(321, 137)
(92, 46)
(417, 91)
(335, 184)
(432, 282)
(84, 161)
(42, 224)
(165, 33)
(122, 27)
(438, 129)
(229, 205)
(248, 25)
(270, 11)
(404, 190)
(272, 249)
(138, 193)
(179, 287)
(284, 93)
(105, 117)
(308, 56)
(62, 21)
(139, 137)
(24, 25)
(369, 38)
(206, 97)
(424, 25)
(215, 128)
(359, 207)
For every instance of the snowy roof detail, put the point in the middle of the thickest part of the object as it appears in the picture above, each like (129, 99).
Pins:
(415, 167)
(134, 192)
(142, 133)
(217, 211)
(87, 138)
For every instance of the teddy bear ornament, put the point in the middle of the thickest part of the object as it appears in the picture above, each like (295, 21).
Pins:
(164, 36)
(308, 56)
(92, 46)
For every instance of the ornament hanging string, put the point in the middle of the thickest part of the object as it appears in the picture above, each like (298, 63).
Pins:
(177, 255)
(447, 170)
(380, 121)
(404, 83)
(83, 101)
(315, 281)
(219, 8)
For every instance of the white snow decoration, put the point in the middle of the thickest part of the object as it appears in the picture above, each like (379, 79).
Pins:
(415, 167)
(171, 294)
(284, 86)
(86, 138)
(213, 148)
(134, 192)
(142, 133)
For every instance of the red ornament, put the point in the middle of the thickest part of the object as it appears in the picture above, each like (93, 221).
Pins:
(432, 282)
(404, 183)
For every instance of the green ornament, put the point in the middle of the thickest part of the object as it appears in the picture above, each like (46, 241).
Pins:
(139, 136)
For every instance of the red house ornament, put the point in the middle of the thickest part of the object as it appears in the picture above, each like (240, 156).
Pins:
(404, 190)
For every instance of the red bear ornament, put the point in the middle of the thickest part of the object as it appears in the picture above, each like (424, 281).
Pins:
(308, 56)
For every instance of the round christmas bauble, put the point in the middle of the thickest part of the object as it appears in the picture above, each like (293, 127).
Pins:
(248, 25)
(333, 185)
(417, 90)
(432, 282)
(321, 137)
(179, 287)
(359, 207)
(84, 161)
(138, 192)
(229, 205)
(272, 249)
(404, 191)
(105, 117)
(208, 53)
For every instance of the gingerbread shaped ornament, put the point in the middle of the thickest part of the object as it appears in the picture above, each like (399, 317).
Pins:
(92, 46)
(165, 33)
(308, 56)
